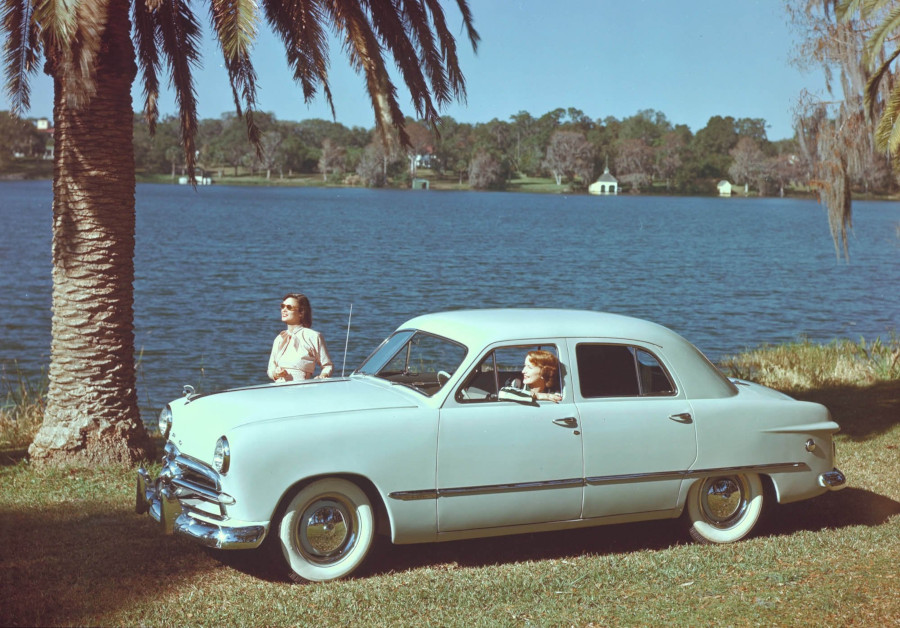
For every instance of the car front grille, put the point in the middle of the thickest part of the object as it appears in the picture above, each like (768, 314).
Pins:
(195, 484)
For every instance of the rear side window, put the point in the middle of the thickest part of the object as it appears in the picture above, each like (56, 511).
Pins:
(620, 371)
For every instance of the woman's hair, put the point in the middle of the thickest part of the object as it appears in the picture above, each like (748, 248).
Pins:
(549, 368)
(305, 308)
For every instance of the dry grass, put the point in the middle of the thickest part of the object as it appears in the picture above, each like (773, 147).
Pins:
(21, 412)
(805, 365)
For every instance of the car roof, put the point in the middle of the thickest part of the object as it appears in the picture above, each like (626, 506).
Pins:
(479, 327)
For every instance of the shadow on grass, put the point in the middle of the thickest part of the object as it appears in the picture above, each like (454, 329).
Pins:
(862, 412)
(11, 456)
(71, 562)
(847, 508)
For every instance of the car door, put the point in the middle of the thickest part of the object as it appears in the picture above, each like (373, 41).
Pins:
(503, 462)
(638, 431)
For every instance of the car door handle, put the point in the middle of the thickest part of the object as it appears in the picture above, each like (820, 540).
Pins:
(567, 422)
(684, 417)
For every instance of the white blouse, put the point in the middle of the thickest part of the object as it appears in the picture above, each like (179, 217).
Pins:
(297, 351)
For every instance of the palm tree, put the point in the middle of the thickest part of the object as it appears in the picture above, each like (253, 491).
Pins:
(93, 50)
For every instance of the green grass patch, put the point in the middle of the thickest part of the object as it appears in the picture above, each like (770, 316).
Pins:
(76, 554)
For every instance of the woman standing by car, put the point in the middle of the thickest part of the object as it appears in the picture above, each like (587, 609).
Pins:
(298, 349)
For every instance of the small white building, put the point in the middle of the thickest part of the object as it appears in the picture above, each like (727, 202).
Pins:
(726, 188)
(606, 184)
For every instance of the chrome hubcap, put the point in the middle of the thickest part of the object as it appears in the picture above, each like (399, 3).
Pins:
(723, 500)
(327, 529)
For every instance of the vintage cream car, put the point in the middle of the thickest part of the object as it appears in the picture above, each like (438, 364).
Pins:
(416, 445)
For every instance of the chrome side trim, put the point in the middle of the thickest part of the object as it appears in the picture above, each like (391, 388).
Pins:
(634, 477)
(780, 467)
(489, 489)
(775, 467)
(410, 496)
(656, 476)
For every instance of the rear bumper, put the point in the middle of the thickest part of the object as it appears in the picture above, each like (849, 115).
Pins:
(833, 480)
(159, 499)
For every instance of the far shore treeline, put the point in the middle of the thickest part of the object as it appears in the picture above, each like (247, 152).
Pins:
(645, 152)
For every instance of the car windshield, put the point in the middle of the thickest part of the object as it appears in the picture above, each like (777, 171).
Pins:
(417, 359)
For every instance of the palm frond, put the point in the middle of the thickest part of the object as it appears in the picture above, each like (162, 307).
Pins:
(365, 55)
(847, 8)
(179, 36)
(299, 25)
(448, 49)
(21, 51)
(884, 28)
(147, 43)
(469, 23)
(887, 133)
(870, 96)
(57, 22)
(72, 33)
(234, 22)
(389, 28)
(416, 16)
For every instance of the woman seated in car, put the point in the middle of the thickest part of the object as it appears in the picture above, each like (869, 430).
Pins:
(540, 376)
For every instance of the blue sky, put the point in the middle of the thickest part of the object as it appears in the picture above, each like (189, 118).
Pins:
(689, 60)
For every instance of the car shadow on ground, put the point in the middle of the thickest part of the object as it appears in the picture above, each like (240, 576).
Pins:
(846, 508)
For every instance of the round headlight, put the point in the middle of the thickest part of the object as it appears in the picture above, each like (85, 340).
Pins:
(165, 422)
(222, 456)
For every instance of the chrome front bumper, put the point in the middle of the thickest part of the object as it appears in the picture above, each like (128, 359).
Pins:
(833, 480)
(159, 499)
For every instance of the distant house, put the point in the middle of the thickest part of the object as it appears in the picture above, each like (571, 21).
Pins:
(606, 184)
(45, 126)
(726, 188)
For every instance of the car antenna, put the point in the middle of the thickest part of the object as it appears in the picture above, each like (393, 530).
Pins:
(347, 341)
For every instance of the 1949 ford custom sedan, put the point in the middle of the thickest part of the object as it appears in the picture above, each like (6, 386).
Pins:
(420, 443)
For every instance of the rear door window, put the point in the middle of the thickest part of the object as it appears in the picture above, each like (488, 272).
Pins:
(609, 370)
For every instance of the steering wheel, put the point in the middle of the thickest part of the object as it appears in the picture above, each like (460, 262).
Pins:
(442, 377)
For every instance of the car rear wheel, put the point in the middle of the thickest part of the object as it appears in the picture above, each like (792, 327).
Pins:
(326, 531)
(725, 508)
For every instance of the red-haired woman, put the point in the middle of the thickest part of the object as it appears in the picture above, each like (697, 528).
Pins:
(540, 375)
(298, 349)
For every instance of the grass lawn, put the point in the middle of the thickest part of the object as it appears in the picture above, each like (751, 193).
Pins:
(74, 553)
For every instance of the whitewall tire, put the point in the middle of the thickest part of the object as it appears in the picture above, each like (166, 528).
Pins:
(724, 509)
(326, 531)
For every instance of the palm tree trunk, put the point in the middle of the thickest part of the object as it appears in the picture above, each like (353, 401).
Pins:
(92, 413)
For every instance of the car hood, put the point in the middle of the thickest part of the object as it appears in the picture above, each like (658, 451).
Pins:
(198, 422)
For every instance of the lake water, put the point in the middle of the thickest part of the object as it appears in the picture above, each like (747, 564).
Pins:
(212, 266)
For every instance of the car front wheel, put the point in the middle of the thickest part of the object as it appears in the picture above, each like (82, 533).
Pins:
(724, 509)
(326, 531)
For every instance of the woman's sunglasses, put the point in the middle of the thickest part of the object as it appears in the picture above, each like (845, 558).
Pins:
(289, 307)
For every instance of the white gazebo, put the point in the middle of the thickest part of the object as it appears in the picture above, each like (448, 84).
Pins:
(606, 184)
